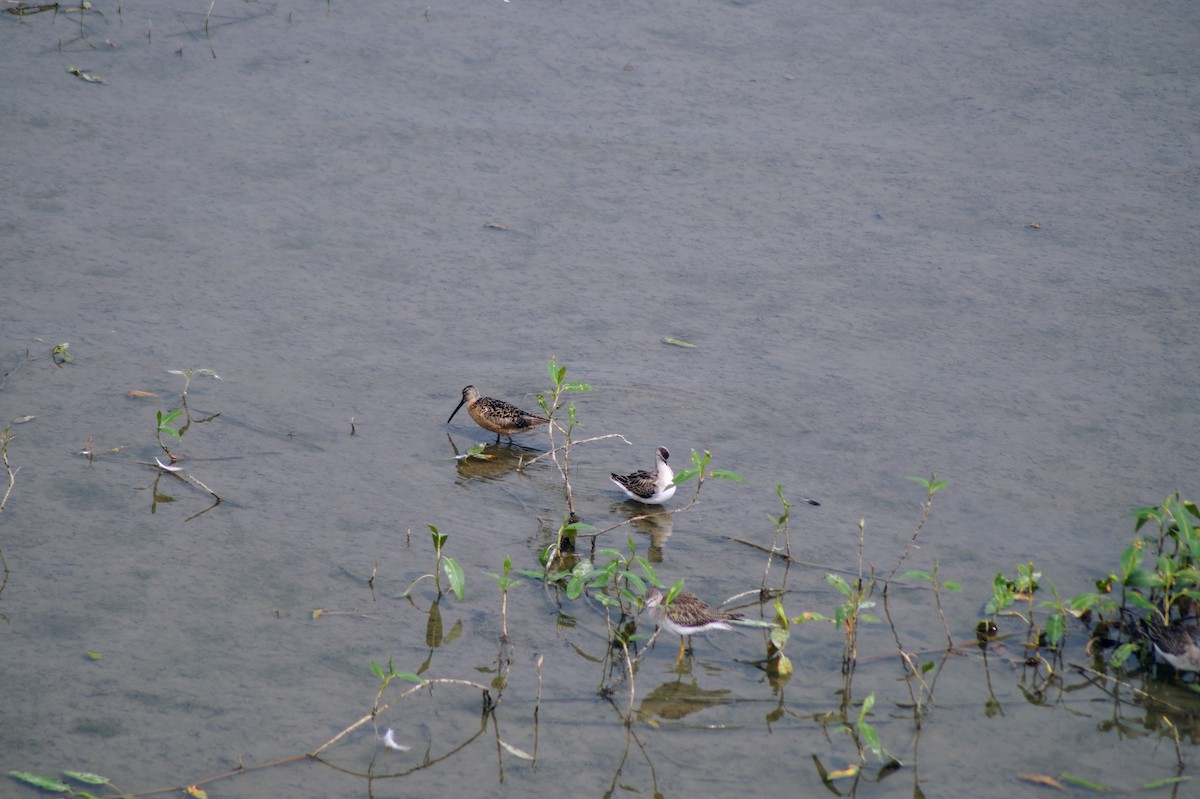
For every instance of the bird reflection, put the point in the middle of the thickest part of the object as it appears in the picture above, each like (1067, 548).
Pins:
(675, 700)
(485, 461)
(658, 528)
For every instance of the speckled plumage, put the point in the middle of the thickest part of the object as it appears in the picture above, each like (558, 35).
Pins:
(497, 416)
(1178, 644)
(651, 488)
(686, 615)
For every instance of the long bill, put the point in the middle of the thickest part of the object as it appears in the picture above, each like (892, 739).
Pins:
(460, 404)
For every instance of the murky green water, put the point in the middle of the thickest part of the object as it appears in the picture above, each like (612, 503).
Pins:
(903, 239)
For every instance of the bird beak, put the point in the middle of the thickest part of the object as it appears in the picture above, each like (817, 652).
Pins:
(460, 404)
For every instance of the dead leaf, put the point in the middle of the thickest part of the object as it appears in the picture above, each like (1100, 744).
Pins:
(512, 750)
(1042, 779)
(139, 393)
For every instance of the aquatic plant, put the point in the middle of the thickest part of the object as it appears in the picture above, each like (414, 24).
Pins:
(442, 563)
(1157, 578)
(505, 582)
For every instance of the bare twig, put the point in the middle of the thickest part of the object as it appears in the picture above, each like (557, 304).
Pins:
(5, 437)
(20, 363)
(376, 711)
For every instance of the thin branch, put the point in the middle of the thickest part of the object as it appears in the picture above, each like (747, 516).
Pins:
(376, 711)
(531, 461)
(5, 437)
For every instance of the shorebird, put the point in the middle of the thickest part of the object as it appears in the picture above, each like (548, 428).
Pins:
(1178, 644)
(651, 488)
(497, 416)
(686, 615)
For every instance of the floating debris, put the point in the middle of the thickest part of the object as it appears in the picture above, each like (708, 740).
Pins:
(79, 73)
(389, 740)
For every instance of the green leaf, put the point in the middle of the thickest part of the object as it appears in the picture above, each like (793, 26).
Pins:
(439, 539)
(933, 485)
(724, 474)
(683, 475)
(88, 777)
(1131, 558)
(407, 676)
(867, 705)
(1121, 654)
(765, 625)
(458, 580)
(779, 637)
(43, 781)
(677, 343)
(1167, 781)
(1137, 599)
(916, 575)
(1087, 601)
(1082, 782)
(577, 386)
(951, 585)
(870, 738)
(169, 416)
(839, 582)
(576, 585)
(377, 670)
(1056, 628)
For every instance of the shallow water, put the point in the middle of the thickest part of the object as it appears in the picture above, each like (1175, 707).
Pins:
(351, 212)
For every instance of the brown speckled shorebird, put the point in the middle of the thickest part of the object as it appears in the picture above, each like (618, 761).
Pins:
(1178, 644)
(497, 416)
(686, 615)
(652, 488)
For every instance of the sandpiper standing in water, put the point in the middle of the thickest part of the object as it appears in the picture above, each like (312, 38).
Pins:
(1178, 644)
(651, 488)
(497, 416)
(686, 615)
